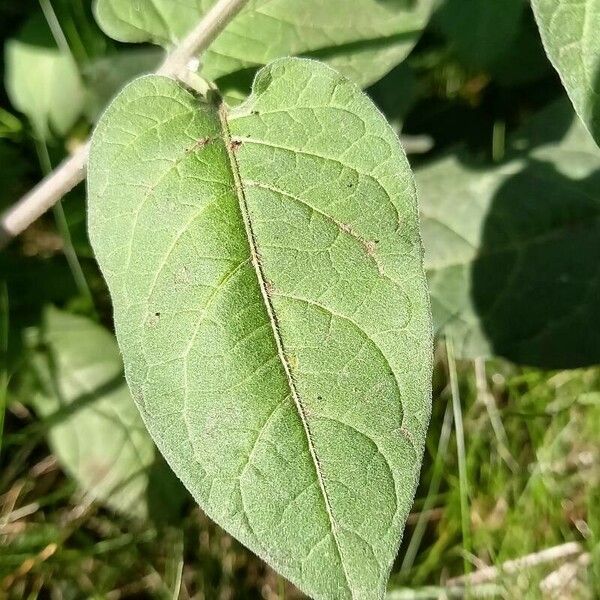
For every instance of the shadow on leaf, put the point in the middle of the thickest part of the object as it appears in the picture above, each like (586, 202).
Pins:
(512, 250)
(536, 279)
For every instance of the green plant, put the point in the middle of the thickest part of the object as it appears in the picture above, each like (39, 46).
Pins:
(277, 347)
(255, 220)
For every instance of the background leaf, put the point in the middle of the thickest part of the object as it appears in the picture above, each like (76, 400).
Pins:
(480, 31)
(106, 76)
(395, 94)
(570, 35)
(94, 428)
(512, 252)
(266, 274)
(42, 81)
(364, 43)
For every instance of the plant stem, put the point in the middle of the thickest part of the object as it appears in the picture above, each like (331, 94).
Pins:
(63, 228)
(484, 394)
(564, 551)
(55, 28)
(72, 171)
(434, 486)
(280, 588)
(460, 452)
(198, 40)
(44, 195)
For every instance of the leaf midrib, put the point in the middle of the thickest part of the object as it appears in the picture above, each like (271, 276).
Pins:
(274, 322)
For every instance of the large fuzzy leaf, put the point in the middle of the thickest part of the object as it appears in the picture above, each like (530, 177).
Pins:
(363, 41)
(513, 252)
(42, 81)
(270, 303)
(94, 427)
(571, 35)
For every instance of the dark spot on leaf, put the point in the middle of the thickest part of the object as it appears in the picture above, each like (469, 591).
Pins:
(319, 397)
(234, 145)
(198, 144)
(153, 320)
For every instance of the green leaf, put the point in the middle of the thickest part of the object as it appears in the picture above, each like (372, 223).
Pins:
(106, 76)
(512, 252)
(364, 43)
(95, 429)
(481, 31)
(270, 303)
(396, 94)
(570, 35)
(42, 82)
(525, 61)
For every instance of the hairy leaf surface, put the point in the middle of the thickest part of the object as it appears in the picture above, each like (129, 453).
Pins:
(571, 35)
(363, 39)
(270, 303)
(94, 427)
(513, 252)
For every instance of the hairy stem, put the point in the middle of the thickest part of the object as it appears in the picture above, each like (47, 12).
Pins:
(63, 227)
(204, 34)
(72, 171)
